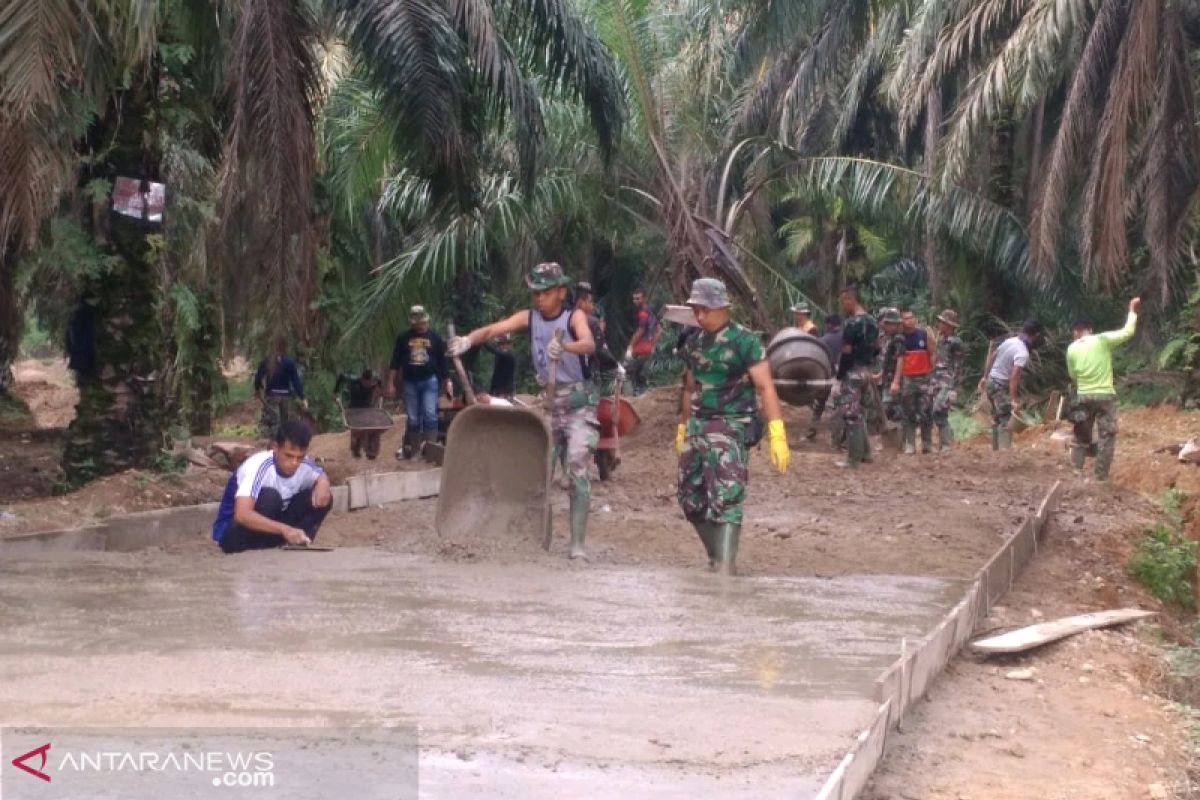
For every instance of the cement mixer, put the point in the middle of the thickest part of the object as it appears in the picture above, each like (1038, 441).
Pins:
(800, 365)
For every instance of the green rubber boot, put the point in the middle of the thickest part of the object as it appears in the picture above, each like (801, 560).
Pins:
(707, 531)
(945, 436)
(1005, 439)
(858, 447)
(910, 439)
(579, 520)
(726, 540)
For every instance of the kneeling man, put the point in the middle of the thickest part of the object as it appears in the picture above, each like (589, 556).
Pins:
(276, 497)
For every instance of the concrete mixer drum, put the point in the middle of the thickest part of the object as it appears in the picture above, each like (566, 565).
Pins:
(800, 365)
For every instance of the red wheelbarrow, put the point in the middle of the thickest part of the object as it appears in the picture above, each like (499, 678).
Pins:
(612, 428)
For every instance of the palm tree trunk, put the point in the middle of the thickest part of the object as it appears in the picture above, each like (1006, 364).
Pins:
(10, 318)
(120, 421)
(933, 133)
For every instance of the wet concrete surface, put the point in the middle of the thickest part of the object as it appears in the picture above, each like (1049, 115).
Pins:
(523, 683)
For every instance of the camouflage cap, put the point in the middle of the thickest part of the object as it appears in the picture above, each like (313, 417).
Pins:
(546, 275)
(889, 314)
(709, 293)
(418, 314)
(583, 287)
(949, 317)
(801, 308)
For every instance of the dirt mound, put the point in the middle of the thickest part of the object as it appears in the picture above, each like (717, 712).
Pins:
(48, 389)
(125, 493)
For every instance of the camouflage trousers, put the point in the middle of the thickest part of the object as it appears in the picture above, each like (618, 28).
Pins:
(852, 399)
(942, 396)
(1098, 411)
(276, 410)
(575, 432)
(916, 401)
(1002, 409)
(713, 471)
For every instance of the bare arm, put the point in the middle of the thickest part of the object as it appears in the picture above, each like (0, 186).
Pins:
(584, 344)
(760, 374)
(1014, 386)
(515, 324)
(987, 367)
(245, 515)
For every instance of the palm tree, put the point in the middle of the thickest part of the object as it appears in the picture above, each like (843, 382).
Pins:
(1109, 83)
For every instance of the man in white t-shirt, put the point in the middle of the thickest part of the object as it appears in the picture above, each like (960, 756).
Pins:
(274, 498)
(1002, 380)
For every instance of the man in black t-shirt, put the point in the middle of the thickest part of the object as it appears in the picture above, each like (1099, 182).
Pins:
(418, 369)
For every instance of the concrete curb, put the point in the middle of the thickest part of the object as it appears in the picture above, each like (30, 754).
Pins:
(908, 679)
(129, 532)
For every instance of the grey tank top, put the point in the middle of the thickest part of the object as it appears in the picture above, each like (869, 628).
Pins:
(541, 331)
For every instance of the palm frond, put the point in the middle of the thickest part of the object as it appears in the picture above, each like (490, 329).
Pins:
(1104, 243)
(1077, 120)
(868, 67)
(1038, 40)
(414, 55)
(562, 46)
(270, 158)
(968, 30)
(1172, 172)
(449, 239)
(888, 193)
(503, 80)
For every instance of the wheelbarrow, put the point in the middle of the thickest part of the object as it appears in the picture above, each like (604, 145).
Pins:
(496, 471)
(612, 428)
(365, 422)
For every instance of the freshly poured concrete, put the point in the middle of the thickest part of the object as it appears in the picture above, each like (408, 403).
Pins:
(524, 682)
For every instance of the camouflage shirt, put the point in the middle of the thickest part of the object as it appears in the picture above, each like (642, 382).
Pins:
(860, 333)
(892, 351)
(719, 363)
(949, 361)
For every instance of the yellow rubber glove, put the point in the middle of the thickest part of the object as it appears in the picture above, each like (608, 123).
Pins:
(778, 446)
(680, 433)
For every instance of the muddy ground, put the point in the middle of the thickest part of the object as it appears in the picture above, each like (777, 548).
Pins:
(1098, 721)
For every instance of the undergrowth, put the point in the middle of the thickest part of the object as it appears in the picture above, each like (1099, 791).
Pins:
(1165, 561)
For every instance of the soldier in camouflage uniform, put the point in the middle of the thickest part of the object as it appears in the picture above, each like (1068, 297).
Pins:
(559, 334)
(854, 371)
(947, 370)
(725, 371)
(891, 353)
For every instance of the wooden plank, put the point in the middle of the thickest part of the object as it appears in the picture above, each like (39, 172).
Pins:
(1023, 639)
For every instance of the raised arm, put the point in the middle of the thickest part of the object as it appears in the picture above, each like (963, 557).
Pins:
(1114, 338)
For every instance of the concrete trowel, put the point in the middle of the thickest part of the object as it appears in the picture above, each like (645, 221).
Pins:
(496, 471)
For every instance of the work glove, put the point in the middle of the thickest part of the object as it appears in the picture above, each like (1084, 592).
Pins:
(554, 350)
(778, 446)
(457, 346)
(628, 354)
(680, 433)
(620, 372)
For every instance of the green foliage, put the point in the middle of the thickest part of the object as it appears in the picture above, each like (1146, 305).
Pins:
(1165, 561)
(170, 463)
(964, 425)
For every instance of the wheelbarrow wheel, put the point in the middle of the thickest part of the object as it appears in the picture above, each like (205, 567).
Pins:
(606, 463)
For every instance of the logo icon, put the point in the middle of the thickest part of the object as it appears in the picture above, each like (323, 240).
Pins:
(19, 762)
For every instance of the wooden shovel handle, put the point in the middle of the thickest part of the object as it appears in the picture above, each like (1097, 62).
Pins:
(462, 372)
(552, 382)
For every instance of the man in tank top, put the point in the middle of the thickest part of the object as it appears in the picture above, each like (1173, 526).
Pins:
(575, 427)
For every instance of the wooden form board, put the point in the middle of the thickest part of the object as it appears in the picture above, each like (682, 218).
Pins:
(1023, 639)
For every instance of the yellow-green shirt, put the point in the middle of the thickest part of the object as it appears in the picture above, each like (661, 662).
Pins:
(1089, 360)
